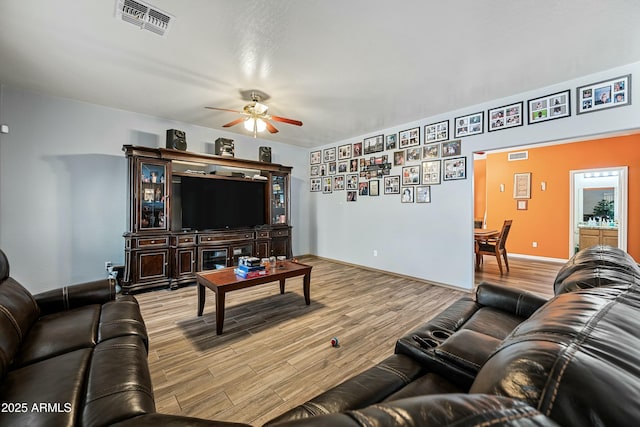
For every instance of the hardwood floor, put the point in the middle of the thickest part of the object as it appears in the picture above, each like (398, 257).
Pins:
(275, 352)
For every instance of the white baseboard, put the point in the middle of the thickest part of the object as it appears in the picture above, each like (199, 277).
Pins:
(539, 258)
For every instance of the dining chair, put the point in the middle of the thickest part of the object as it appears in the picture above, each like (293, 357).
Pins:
(495, 246)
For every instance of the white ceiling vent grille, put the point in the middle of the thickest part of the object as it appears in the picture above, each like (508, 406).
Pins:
(518, 155)
(143, 16)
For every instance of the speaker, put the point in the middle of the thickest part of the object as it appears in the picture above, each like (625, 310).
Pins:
(176, 139)
(264, 154)
(224, 147)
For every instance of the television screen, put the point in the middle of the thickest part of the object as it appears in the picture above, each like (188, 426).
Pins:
(209, 203)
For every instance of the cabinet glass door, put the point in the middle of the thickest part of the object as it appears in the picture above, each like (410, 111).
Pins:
(279, 199)
(153, 191)
(213, 259)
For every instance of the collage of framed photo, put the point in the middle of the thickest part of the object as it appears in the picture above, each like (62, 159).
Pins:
(374, 144)
(409, 138)
(391, 184)
(507, 116)
(431, 172)
(451, 148)
(454, 168)
(549, 107)
(605, 94)
(436, 132)
(344, 152)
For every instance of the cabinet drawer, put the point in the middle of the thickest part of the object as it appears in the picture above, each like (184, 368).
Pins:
(279, 233)
(224, 237)
(609, 233)
(152, 242)
(263, 234)
(185, 240)
(589, 232)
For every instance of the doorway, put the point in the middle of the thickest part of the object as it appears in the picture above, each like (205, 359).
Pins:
(598, 213)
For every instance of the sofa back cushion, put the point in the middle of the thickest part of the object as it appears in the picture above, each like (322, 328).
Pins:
(577, 359)
(18, 312)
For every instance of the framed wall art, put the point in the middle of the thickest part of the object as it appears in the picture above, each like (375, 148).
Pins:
(606, 94)
(455, 168)
(413, 154)
(338, 182)
(352, 196)
(374, 144)
(468, 125)
(522, 205)
(407, 195)
(357, 149)
(451, 148)
(344, 152)
(522, 185)
(411, 175)
(423, 194)
(363, 188)
(374, 187)
(431, 172)
(316, 184)
(392, 184)
(507, 116)
(343, 167)
(398, 158)
(409, 137)
(327, 184)
(431, 151)
(436, 132)
(353, 165)
(314, 170)
(332, 168)
(352, 181)
(316, 157)
(391, 142)
(549, 107)
(329, 154)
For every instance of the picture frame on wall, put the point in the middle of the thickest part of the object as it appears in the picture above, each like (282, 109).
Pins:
(373, 144)
(316, 184)
(549, 107)
(343, 167)
(605, 94)
(398, 158)
(374, 187)
(357, 149)
(436, 132)
(409, 137)
(471, 124)
(363, 188)
(407, 195)
(316, 157)
(431, 172)
(423, 194)
(329, 154)
(344, 152)
(391, 142)
(338, 182)
(413, 154)
(411, 175)
(522, 185)
(431, 151)
(352, 181)
(451, 148)
(507, 116)
(327, 185)
(454, 168)
(522, 205)
(314, 170)
(332, 167)
(392, 184)
(352, 196)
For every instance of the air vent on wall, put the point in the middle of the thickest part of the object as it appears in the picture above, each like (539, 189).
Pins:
(144, 16)
(518, 155)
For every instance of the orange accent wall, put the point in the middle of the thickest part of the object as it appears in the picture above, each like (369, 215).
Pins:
(479, 188)
(546, 220)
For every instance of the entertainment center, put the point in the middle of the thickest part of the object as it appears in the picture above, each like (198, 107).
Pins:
(192, 212)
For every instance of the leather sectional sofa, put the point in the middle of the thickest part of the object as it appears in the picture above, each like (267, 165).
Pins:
(505, 357)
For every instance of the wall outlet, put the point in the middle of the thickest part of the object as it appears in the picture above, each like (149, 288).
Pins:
(534, 244)
(108, 265)
(375, 252)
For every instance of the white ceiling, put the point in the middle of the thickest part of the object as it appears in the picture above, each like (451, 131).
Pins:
(344, 68)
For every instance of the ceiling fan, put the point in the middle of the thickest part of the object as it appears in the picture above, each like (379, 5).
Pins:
(255, 116)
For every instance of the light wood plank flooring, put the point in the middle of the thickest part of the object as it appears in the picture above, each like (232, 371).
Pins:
(275, 352)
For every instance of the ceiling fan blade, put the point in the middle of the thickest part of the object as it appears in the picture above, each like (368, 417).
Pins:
(233, 123)
(271, 128)
(224, 109)
(285, 120)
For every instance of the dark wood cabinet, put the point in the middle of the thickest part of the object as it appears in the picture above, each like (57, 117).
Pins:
(158, 253)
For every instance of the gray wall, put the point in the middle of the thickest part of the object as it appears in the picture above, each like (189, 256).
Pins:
(63, 183)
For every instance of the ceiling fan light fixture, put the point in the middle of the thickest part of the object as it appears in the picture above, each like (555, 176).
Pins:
(260, 125)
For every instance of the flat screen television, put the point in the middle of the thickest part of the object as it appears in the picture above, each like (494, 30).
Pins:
(211, 204)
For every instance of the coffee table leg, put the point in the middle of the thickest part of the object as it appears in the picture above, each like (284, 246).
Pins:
(281, 286)
(219, 312)
(307, 288)
(201, 298)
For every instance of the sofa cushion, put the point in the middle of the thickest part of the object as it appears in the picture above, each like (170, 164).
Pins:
(429, 383)
(575, 360)
(122, 317)
(60, 333)
(493, 322)
(119, 383)
(57, 382)
(18, 312)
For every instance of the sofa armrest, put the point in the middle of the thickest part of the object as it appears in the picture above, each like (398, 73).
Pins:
(519, 302)
(437, 410)
(68, 297)
(155, 420)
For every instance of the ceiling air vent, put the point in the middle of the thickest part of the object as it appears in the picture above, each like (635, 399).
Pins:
(518, 155)
(143, 16)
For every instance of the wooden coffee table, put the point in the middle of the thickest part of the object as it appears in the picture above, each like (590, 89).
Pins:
(225, 280)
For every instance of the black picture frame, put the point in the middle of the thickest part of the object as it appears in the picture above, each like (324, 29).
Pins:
(436, 132)
(329, 154)
(374, 187)
(451, 148)
(549, 107)
(315, 157)
(431, 172)
(373, 144)
(344, 152)
(591, 97)
(423, 194)
(391, 184)
(505, 117)
(391, 142)
(454, 168)
(407, 195)
(471, 124)
(411, 175)
(409, 137)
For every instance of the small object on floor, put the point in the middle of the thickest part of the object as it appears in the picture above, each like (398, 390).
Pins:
(335, 342)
